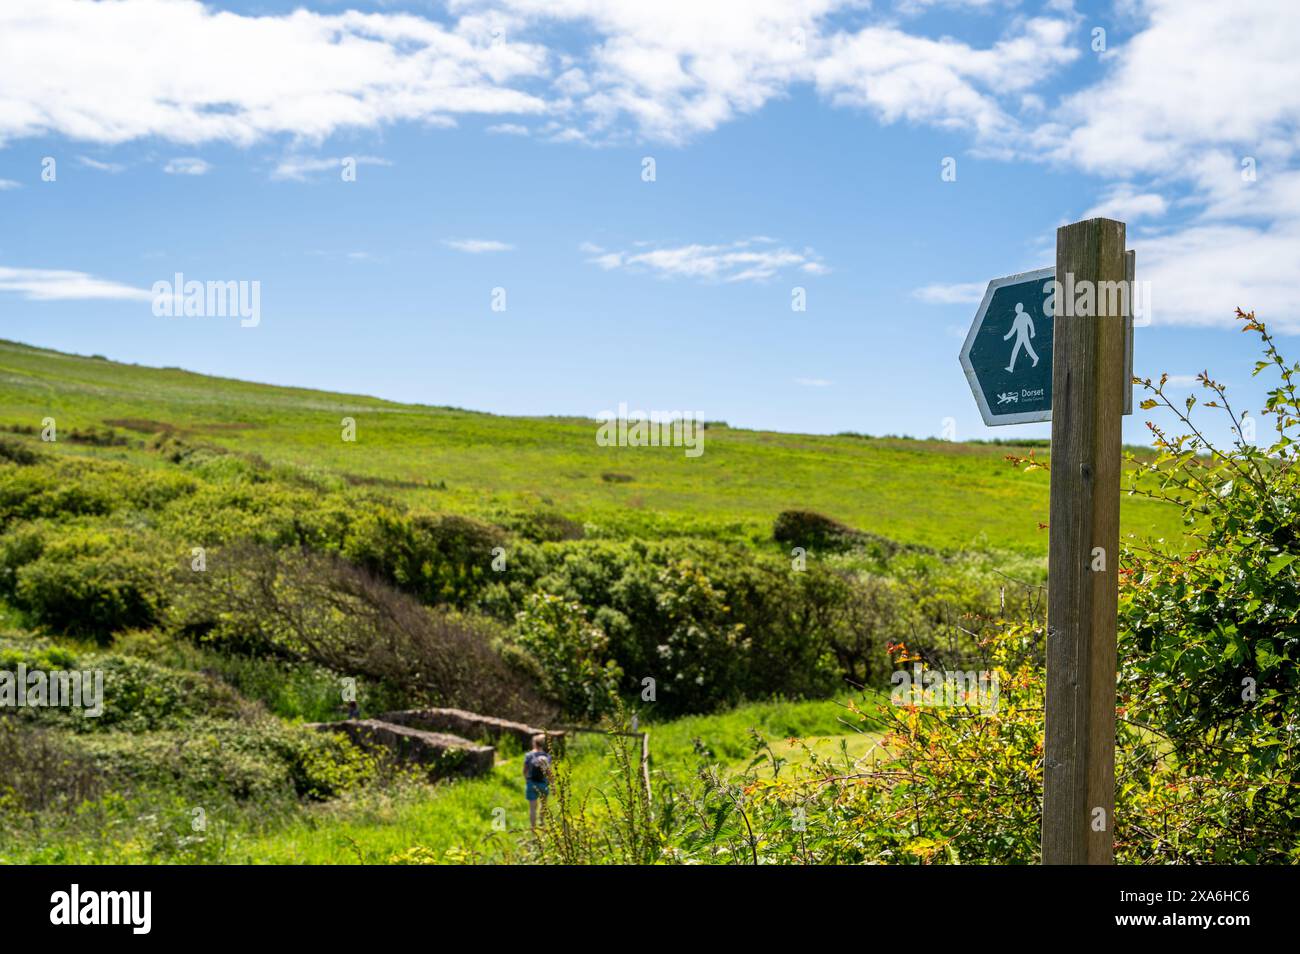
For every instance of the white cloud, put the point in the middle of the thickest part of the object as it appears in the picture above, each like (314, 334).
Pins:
(918, 6)
(943, 82)
(676, 68)
(9, 184)
(97, 164)
(39, 284)
(184, 72)
(1226, 194)
(740, 261)
(1201, 73)
(1203, 94)
(813, 382)
(959, 293)
(302, 168)
(1201, 274)
(1127, 205)
(352, 256)
(477, 246)
(186, 166)
(573, 82)
(508, 129)
(133, 69)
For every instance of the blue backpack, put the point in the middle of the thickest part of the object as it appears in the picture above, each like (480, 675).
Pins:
(537, 766)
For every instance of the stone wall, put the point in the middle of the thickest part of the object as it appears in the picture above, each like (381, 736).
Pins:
(471, 725)
(442, 755)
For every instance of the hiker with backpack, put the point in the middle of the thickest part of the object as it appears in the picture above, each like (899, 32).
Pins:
(537, 777)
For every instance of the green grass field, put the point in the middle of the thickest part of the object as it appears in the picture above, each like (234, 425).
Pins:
(935, 493)
(454, 820)
(461, 814)
(960, 498)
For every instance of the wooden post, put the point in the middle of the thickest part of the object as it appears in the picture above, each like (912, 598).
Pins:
(1130, 275)
(644, 737)
(645, 763)
(1088, 386)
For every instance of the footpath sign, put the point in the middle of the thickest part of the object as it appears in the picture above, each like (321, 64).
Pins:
(1007, 355)
(1042, 349)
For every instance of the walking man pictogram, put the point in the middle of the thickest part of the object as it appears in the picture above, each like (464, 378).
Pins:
(1023, 328)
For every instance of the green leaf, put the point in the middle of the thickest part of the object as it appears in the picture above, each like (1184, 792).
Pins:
(1281, 562)
(1265, 658)
(1235, 650)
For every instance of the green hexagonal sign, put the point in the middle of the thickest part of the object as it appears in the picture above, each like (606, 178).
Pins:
(1007, 355)
(1008, 351)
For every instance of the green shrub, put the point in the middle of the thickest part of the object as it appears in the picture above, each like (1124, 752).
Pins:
(206, 760)
(41, 771)
(947, 785)
(571, 655)
(290, 690)
(438, 558)
(301, 606)
(812, 531)
(703, 656)
(710, 623)
(84, 581)
(37, 655)
(18, 452)
(138, 696)
(324, 765)
(67, 487)
(862, 615)
(55, 490)
(268, 513)
(542, 526)
(246, 761)
(1210, 645)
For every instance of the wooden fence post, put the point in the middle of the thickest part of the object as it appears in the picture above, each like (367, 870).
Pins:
(1088, 388)
(645, 763)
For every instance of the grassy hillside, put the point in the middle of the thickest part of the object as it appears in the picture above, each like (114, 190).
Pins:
(234, 569)
(373, 563)
(940, 494)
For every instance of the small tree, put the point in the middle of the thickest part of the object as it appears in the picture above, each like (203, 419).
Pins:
(1210, 628)
(571, 655)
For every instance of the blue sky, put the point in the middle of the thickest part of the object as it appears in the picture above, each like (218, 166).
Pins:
(502, 145)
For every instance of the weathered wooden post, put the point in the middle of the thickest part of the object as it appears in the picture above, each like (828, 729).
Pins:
(1089, 384)
(1079, 313)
